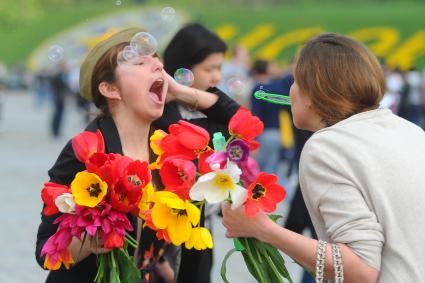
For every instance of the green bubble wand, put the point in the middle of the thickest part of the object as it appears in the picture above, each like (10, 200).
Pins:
(275, 98)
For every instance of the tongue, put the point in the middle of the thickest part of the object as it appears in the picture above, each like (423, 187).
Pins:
(155, 97)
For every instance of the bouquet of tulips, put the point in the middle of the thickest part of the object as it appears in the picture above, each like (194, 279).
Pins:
(225, 173)
(94, 209)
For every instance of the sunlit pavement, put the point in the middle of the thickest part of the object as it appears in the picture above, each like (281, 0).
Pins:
(26, 153)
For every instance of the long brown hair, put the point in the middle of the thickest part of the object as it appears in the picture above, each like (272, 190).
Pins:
(341, 76)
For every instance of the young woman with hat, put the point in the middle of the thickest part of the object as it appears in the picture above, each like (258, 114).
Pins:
(130, 96)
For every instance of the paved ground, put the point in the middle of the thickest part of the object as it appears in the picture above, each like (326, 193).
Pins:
(26, 153)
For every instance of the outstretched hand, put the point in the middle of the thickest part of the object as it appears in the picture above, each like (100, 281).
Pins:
(239, 225)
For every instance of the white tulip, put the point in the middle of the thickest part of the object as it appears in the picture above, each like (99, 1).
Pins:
(65, 203)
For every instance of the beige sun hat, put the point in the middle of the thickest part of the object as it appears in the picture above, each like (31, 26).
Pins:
(87, 67)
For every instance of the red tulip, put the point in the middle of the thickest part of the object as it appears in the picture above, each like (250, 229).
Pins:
(178, 176)
(49, 193)
(189, 135)
(87, 143)
(114, 240)
(127, 192)
(245, 126)
(263, 195)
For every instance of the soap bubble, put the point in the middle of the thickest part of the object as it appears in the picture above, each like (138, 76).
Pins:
(235, 86)
(144, 43)
(184, 76)
(55, 53)
(128, 54)
(168, 13)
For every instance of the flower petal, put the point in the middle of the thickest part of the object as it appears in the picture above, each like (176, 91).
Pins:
(238, 196)
(214, 194)
(161, 215)
(193, 213)
(206, 237)
(179, 229)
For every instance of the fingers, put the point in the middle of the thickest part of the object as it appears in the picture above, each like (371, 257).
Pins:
(96, 247)
(230, 235)
(98, 250)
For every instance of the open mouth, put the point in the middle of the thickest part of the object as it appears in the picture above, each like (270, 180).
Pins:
(157, 88)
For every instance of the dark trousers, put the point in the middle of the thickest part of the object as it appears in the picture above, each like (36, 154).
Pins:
(59, 105)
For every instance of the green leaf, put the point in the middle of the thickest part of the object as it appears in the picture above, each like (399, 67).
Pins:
(251, 268)
(128, 270)
(278, 261)
(100, 275)
(238, 245)
(269, 265)
(253, 260)
(223, 265)
(275, 217)
(114, 271)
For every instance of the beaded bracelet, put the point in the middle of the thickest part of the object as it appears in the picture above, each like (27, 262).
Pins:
(337, 260)
(320, 261)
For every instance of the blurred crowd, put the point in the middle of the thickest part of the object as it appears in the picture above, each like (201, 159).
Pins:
(241, 76)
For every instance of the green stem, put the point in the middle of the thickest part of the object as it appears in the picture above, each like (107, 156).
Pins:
(251, 258)
(229, 140)
(114, 264)
(273, 267)
(130, 240)
(200, 209)
(81, 248)
(258, 253)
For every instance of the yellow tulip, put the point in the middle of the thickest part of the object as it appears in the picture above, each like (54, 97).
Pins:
(88, 189)
(155, 139)
(200, 239)
(147, 194)
(175, 215)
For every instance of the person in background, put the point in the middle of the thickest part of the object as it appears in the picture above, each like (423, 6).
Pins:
(356, 172)
(59, 88)
(236, 81)
(269, 154)
(196, 48)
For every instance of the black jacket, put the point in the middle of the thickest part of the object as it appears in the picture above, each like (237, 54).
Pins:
(63, 172)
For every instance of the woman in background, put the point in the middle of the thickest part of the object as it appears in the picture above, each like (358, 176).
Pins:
(196, 48)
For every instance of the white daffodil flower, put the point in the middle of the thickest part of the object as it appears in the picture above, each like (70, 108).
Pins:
(65, 203)
(215, 187)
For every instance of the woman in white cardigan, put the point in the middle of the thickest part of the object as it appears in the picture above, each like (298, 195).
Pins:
(362, 173)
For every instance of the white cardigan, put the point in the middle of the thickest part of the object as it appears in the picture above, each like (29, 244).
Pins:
(363, 181)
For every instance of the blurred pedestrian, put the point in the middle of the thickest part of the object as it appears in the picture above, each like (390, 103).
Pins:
(60, 89)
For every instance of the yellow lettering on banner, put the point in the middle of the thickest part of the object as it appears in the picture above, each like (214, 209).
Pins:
(286, 130)
(226, 32)
(385, 38)
(259, 34)
(405, 56)
(272, 50)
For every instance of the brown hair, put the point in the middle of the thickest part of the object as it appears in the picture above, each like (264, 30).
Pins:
(104, 71)
(340, 75)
